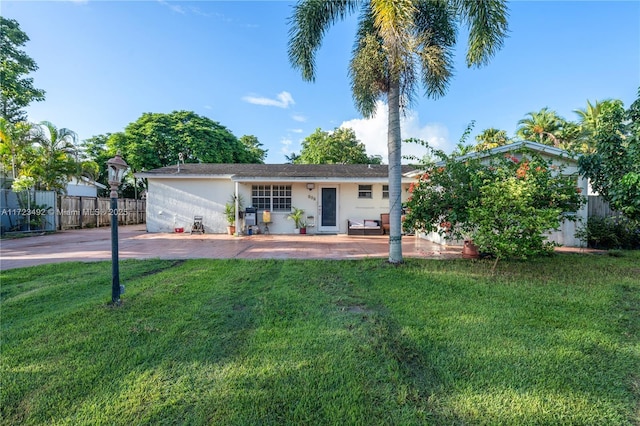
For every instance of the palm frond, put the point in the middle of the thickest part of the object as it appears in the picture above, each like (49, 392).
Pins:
(308, 24)
(488, 27)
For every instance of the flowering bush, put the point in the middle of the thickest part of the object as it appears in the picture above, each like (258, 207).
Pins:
(506, 205)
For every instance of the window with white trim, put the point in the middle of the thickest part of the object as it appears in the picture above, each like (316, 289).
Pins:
(365, 191)
(275, 198)
(385, 191)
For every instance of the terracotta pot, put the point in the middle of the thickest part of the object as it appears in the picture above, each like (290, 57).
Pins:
(231, 229)
(469, 250)
(303, 230)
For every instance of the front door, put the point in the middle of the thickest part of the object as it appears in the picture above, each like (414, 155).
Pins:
(328, 209)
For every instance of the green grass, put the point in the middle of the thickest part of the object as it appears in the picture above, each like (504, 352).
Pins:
(271, 342)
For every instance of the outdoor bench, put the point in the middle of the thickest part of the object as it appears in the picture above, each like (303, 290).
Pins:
(364, 227)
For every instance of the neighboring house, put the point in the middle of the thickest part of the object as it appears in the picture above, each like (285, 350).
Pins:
(83, 187)
(330, 194)
(566, 235)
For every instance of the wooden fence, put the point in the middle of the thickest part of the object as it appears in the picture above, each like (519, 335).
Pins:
(92, 212)
(599, 207)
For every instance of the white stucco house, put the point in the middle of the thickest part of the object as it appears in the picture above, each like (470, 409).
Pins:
(329, 194)
(566, 234)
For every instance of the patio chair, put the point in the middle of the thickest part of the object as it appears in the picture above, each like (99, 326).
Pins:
(384, 220)
(197, 226)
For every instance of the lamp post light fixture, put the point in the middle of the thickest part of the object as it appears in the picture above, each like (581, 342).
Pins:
(116, 167)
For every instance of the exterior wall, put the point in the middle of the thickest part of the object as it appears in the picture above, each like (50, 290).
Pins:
(77, 188)
(349, 205)
(172, 203)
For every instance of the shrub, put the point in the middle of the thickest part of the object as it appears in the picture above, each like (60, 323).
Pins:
(616, 232)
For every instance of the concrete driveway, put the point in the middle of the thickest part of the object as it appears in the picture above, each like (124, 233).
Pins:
(87, 245)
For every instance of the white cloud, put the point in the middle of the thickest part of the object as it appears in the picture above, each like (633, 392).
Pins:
(295, 130)
(373, 133)
(298, 117)
(286, 146)
(283, 100)
(174, 7)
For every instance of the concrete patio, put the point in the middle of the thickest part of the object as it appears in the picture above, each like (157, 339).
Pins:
(87, 245)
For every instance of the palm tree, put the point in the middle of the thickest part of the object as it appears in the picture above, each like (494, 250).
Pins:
(399, 43)
(56, 149)
(588, 119)
(491, 138)
(542, 126)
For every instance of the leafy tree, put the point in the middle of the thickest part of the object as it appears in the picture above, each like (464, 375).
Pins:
(255, 153)
(491, 138)
(614, 168)
(16, 149)
(157, 139)
(337, 147)
(399, 44)
(17, 90)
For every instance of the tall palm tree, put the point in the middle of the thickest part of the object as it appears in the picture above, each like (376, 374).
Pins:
(399, 43)
(57, 150)
(542, 127)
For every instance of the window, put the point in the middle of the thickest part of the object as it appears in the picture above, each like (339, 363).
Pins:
(365, 191)
(271, 197)
(385, 191)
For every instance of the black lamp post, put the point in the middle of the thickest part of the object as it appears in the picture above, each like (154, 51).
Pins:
(115, 168)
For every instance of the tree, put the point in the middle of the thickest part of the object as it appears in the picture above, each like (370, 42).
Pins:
(588, 121)
(157, 140)
(255, 153)
(540, 127)
(491, 138)
(614, 167)
(55, 157)
(16, 149)
(17, 90)
(399, 43)
(337, 147)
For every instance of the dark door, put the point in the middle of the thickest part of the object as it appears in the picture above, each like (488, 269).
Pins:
(329, 208)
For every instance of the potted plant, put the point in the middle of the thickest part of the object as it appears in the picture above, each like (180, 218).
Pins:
(297, 216)
(230, 213)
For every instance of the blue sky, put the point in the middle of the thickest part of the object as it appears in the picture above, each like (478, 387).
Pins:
(104, 63)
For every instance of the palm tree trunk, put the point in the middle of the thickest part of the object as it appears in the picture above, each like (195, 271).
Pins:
(394, 145)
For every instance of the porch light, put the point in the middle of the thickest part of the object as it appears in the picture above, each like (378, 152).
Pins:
(310, 186)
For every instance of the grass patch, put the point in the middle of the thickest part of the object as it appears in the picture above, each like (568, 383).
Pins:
(546, 341)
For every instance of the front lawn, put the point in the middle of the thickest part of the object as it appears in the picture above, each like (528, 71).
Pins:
(548, 341)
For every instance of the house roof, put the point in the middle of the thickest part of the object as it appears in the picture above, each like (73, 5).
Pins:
(534, 146)
(274, 172)
(513, 147)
